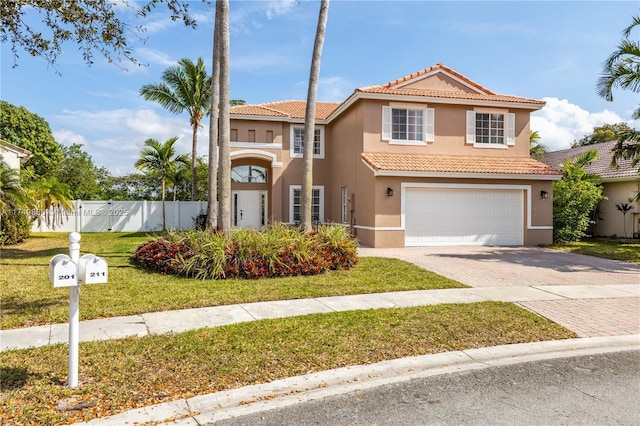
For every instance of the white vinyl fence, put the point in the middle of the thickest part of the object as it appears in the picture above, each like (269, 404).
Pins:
(127, 216)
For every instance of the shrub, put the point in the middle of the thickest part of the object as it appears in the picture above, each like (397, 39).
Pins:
(275, 251)
(163, 256)
(15, 227)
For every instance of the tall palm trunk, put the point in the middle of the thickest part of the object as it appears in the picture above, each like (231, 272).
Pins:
(194, 161)
(309, 120)
(164, 211)
(222, 7)
(212, 193)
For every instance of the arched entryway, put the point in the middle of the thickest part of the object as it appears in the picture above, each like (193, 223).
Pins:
(250, 188)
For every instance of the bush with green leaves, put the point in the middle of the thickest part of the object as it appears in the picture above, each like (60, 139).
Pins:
(575, 197)
(15, 227)
(276, 251)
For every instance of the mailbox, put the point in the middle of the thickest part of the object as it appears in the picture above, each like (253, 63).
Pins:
(92, 269)
(62, 271)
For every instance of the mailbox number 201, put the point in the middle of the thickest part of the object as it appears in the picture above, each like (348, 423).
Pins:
(66, 277)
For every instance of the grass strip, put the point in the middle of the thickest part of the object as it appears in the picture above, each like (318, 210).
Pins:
(623, 250)
(124, 374)
(29, 299)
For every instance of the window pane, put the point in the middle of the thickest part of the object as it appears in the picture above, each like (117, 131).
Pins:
(489, 128)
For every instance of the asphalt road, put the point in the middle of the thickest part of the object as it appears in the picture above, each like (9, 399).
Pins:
(591, 390)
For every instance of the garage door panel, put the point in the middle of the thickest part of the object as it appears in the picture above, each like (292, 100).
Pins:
(436, 216)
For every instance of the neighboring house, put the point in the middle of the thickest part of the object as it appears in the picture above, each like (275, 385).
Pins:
(432, 158)
(620, 186)
(12, 155)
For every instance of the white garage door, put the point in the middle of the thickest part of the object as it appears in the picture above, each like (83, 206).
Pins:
(448, 217)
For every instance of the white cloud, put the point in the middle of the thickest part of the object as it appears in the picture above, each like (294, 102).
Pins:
(68, 138)
(334, 89)
(114, 138)
(560, 122)
(154, 56)
(279, 7)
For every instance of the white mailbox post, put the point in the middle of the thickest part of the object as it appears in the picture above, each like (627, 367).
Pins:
(70, 271)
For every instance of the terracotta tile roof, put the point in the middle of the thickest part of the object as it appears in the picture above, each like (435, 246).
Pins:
(439, 66)
(600, 167)
(392, 162)
(429, 93)
(293, 109)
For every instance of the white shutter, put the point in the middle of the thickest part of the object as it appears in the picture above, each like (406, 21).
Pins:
(511, 129)
(471, 127)
(386, 123)
(429, 127)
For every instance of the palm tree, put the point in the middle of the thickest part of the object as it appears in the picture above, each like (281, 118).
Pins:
(224, 165)
(309, 120)
(53, 200)
(624, 208)
(185, 87)
(622, 67)
(536, 149)
(160, 158)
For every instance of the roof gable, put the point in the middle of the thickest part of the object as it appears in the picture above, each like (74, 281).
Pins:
(439, 77)
(601, 166)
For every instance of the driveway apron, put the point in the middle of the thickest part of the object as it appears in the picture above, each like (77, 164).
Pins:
(543, 269)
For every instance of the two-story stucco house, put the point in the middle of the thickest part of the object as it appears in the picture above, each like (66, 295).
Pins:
(432, 158)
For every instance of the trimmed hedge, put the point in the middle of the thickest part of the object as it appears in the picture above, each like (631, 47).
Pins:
(275, 251)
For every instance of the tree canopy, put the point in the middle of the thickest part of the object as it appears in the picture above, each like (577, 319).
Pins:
(27, 130)
(622, 69)
(41, 28)
(604, 133)
(86, 180)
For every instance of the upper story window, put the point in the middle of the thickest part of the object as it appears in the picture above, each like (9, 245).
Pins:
(490, 129)
(249, 174)
(407, 125)
(297, 142)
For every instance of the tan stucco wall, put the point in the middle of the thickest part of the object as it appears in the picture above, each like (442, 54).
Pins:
(450, 132)
(612, 219)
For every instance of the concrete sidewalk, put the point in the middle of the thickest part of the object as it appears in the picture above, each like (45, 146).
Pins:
(618, 307)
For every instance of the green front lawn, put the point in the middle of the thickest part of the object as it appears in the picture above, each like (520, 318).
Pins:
(29, 298)
(119, 375)
(624, 250)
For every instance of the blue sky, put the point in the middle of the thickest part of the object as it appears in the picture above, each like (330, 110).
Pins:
(551, 50)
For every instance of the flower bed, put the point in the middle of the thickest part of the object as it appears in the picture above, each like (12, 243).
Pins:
(275, 251)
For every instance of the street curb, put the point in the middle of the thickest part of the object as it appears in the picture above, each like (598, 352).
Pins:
(293, 390)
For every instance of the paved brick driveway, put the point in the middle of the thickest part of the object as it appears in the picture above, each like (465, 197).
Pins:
(514, 266)
(538, 267)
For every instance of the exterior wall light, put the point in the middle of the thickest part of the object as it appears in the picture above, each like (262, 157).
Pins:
(544, 195)
(389, 192)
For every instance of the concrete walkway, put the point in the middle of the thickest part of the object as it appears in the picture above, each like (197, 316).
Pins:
(610, 299)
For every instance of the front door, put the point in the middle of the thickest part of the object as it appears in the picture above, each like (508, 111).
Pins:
(249, 208)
